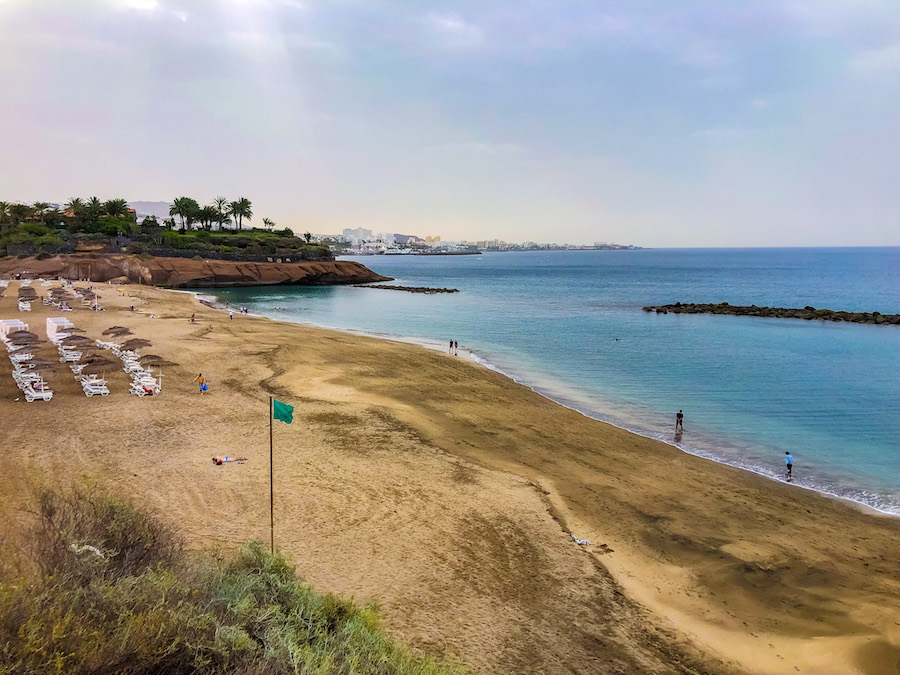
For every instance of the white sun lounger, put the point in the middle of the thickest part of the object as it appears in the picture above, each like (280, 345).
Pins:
(36, 393)
(92, 387)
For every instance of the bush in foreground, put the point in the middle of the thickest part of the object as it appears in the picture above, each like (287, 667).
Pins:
(111, 590)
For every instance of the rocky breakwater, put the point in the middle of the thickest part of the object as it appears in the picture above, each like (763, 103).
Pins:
(415, 289)
(187, 273)
(808, 313)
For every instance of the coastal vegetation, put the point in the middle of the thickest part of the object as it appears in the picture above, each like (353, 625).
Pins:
(104, 587)
(809, 313)
(215, 230)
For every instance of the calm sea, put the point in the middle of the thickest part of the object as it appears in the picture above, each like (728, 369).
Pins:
(569, 324)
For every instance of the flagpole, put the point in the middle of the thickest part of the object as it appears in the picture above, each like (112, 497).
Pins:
(271, 483)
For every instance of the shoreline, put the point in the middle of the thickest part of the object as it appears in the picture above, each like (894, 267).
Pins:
(434, 345)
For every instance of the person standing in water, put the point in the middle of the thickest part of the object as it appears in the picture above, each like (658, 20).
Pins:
(789, 466)
(679, 421)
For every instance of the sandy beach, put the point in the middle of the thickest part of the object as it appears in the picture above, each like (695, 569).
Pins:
(449, 495)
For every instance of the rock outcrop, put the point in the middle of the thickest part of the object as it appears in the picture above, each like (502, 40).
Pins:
(187, 273)
(808, 313)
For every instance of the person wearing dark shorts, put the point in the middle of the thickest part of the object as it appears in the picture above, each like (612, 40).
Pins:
(679, 421)
(789, 465)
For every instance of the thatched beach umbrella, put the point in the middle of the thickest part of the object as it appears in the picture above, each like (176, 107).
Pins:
(97, 368)
(38, 364)
(22, 350)
(135, 343)
(38, 361)
(23, 340)
(98, 358)
(154, 360)
(113, 329)
(158, 361)
(39, 367)
(21, 333)
(73, 340)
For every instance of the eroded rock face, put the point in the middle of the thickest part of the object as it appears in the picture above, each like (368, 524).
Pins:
(182, 272)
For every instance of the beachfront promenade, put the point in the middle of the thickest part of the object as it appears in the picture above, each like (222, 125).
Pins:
(450, 495)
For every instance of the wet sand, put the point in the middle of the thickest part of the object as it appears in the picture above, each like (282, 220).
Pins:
(447, 493)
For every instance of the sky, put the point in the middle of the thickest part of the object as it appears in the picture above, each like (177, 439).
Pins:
(656, 123)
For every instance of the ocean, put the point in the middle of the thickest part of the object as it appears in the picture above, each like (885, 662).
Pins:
(569, 324)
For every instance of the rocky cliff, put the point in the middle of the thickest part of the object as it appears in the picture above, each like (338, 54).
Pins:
(182, 272)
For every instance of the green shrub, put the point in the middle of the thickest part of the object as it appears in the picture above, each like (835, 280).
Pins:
(113, 591)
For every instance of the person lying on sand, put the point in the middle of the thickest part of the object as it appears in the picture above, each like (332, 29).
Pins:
(218, 461)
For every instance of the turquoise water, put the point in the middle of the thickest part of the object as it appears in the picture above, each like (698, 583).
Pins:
(570, 325)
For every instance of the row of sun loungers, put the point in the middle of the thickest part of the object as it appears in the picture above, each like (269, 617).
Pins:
(20, 345)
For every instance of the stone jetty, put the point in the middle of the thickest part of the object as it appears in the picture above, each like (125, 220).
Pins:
(808, 313)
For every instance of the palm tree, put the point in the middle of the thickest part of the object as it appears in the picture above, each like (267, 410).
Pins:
(116, 207)
(221, 206)
(73, 206)
(4, 215)
(207, 215)
(93, 210)
(186, 209)
(234, 209)
(240, 210)
(268, 224)
(53, 217)
(19, 213)
(40, 210)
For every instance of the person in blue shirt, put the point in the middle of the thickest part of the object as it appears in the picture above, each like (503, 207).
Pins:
(789, 465)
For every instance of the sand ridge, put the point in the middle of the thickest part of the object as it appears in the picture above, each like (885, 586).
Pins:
(446, 492)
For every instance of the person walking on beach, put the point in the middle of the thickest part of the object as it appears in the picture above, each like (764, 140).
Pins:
(450, 351)
(201, 383)
(192, 317)
(231, 315)
(455, 348)
(679, 420)
(789, 466)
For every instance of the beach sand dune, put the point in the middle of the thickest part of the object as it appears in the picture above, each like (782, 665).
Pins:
(448, 494)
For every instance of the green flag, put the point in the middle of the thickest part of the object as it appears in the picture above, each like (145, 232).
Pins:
(282, 411)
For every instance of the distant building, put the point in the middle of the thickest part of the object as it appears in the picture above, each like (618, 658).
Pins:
(359, 233)
(385, 237)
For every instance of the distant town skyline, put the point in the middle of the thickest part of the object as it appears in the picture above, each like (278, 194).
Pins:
(698, 123)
